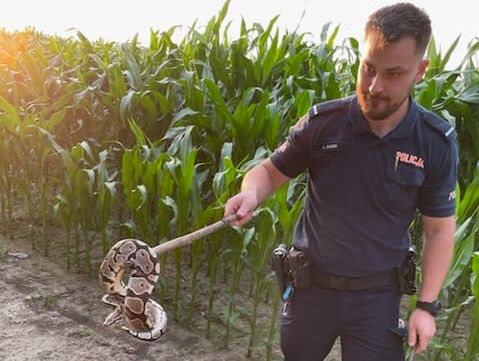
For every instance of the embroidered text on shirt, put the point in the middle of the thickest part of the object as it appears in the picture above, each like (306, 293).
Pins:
(410, 159)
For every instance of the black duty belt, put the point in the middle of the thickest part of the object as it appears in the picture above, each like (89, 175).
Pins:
(321, 279)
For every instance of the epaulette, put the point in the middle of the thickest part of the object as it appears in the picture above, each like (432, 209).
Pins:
(326, 107)
(443, 127)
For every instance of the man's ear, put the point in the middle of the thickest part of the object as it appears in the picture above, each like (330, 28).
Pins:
(421, 70)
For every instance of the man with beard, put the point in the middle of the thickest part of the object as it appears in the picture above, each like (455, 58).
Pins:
(373, 160)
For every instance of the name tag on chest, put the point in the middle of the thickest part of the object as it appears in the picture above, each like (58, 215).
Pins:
(330, 146)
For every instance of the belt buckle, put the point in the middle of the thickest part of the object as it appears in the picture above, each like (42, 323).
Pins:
(338, 283)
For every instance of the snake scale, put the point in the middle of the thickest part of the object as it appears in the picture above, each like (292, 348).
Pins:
(144, 317)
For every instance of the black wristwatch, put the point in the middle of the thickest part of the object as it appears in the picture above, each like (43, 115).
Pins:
(432, 307)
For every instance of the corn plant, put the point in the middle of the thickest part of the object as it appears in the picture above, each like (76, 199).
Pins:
(6, 185)
(184, 173)
(259, 254)
(224, 181)
(473, 342)
(77, 202)
(237, 255)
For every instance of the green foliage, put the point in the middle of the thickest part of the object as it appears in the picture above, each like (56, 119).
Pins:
(473, 345)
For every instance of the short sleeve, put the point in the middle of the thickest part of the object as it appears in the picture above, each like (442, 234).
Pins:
(437, 195)
(292, 157)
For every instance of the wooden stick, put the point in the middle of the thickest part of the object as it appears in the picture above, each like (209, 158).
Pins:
(193, 236)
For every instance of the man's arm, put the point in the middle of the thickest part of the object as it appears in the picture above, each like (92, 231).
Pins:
(437, 253)
(258, 184)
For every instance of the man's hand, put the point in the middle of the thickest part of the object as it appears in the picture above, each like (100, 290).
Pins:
(243, 204)
(422, 327)
(257, 185)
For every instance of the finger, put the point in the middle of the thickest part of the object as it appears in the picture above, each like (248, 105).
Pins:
(423, 341)
(231, 205)
(412, 337)
(246, 218)
(242, 220)
(243, 210)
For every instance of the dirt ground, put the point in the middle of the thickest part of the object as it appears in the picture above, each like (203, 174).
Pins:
(50, 314)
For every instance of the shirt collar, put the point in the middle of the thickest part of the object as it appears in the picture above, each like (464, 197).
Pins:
(403, 129)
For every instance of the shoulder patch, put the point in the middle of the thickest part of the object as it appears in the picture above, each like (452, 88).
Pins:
(447, 130)
(326, 107)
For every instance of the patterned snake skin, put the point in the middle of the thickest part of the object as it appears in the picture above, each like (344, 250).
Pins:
(144, 317)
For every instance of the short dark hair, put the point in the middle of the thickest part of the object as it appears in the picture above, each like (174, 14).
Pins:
(397, 21)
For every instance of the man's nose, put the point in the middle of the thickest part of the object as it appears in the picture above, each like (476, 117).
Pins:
(376, 85)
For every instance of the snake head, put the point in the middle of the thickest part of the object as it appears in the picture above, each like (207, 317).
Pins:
(112, 300)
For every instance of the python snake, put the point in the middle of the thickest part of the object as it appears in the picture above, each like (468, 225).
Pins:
(144, 317)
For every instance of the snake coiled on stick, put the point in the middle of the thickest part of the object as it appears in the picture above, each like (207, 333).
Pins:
(132, 302)
(144, 317)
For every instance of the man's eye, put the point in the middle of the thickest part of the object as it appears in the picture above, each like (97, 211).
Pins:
(370, 71)
(395, 73)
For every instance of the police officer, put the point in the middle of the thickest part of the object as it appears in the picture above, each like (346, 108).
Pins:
(373, 160)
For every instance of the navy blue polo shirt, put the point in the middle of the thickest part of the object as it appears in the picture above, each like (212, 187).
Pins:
(364, 191)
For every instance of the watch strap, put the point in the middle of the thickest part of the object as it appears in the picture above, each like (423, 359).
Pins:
(432, 307)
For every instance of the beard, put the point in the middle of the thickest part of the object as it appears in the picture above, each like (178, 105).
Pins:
(376, 107)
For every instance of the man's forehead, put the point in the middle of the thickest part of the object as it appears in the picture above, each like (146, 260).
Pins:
(374, 39)
(390, 67)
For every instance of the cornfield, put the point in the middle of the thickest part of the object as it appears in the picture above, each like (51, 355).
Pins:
(104, 140)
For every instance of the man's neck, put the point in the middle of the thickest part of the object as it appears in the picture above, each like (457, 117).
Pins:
(382, 127)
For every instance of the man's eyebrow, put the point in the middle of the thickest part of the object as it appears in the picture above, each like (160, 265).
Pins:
(395, 68)
(390, 69)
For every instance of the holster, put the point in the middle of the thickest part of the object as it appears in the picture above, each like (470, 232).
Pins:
(279, 261)
(300, 268)
(291, 268)
(407, 274)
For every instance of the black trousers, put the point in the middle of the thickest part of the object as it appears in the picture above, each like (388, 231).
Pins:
(366, 322)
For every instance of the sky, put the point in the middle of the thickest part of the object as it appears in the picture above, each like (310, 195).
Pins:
(120, 20)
